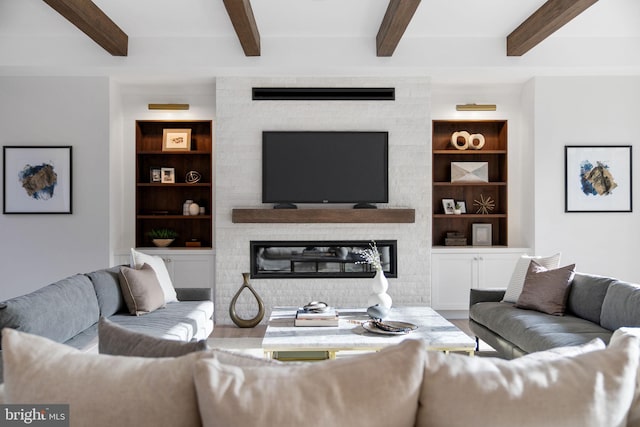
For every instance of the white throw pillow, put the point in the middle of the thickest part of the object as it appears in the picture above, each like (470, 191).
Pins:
(157, 263)
(593, 389)
(374, 390)
(514, 289)
(634, 412)
(101, 390)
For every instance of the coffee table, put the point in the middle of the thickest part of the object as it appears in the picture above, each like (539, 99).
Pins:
(434, 330)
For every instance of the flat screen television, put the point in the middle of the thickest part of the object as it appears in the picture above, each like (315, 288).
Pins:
(325, 167)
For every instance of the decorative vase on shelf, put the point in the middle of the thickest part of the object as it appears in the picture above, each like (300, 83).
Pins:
(379, 286)
(162, 243)
(246, 323)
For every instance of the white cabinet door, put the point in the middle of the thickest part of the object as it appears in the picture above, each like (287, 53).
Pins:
(451, 278)
(494, 270)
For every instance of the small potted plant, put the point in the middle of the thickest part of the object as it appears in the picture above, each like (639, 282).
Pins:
(162, 237)
(457, 209)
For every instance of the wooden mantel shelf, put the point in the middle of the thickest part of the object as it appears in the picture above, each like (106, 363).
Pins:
(323, 215)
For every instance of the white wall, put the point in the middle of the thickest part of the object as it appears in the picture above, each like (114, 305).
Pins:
(585, 111)
(40, 249)
(239, 126)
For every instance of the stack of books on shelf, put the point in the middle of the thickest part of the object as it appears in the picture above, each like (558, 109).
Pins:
(328, 317)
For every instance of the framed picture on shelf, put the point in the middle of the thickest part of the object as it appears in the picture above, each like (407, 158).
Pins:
(37, 180)
(463, 206)
(598, 178)
(448, 205)
(168, 175)
(481, 234)
(176, 139)
(155, 175)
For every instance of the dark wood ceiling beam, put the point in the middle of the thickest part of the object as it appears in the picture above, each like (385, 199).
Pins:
(395, 22)
(550, 17)
(92, 21)
(244, 23)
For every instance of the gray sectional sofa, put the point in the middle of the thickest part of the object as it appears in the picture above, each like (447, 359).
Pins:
(596, 306)
(68, 311)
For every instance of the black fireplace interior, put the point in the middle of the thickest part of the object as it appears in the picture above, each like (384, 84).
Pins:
(319, 259)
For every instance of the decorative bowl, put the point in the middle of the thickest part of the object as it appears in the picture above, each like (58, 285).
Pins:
(162, 243)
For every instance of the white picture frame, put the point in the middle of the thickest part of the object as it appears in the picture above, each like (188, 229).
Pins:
(168, 175)
(481, 234)
(448, 205)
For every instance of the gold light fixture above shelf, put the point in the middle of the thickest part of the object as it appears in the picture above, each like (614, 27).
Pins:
(476, 107)
(168, 106)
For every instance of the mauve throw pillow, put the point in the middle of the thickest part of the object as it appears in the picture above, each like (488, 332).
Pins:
(141, 290)
(546, 290)
(118, 341)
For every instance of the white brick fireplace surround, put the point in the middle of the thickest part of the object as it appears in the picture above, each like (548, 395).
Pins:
(238, 146)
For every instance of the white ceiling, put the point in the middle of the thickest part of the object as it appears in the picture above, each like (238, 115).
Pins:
(448, 39)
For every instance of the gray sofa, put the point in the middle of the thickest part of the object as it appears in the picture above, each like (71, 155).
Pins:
(68, 311)
(596, 307)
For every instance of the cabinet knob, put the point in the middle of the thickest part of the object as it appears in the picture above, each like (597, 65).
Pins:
(167, 260)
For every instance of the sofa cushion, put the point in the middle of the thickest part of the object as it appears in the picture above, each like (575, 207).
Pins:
(514, 289)
(119, 341)
(58, 311)
(106, 283)
(586, 295)
(621, 306)
(546, 290)
(141, 290)
(101, 390)
(593, 389)
(534, 331)
(183, 321)
(375, 389)
(138, 258)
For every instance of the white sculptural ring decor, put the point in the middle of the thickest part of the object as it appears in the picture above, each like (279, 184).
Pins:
(380, 284)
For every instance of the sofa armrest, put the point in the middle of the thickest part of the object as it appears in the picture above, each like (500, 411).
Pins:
(485, 295)
(194, 294)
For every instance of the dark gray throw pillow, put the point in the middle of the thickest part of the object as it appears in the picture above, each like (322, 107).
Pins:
(116, 340)
(546, 290)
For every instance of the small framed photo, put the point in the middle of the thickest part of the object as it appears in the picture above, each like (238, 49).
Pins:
(481, 234)
(176, 139)
(448, 205)
(168, 175)
(37, 180)
(155, 175)
(463, 206)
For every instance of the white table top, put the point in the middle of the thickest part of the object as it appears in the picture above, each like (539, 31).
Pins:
(437, 332)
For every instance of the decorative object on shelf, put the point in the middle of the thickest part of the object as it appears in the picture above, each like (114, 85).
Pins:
(469, 172)
(462, 206)
(448, 205)
(455, 238)
(162, 237)
(598, 178)
(185, 207)
(455, 140)
(246, 323)
(168, 175)
(192, 177)
(476, 137)
(484, 205)
(176, 139)
(457, 209)
(37, 179)
(194, 209)
(481, 234)
(379, 284)
(155, 175)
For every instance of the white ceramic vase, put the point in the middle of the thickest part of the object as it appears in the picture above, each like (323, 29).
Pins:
(379, 286)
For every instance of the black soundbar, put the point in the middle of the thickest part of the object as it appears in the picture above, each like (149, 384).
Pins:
(323, 94)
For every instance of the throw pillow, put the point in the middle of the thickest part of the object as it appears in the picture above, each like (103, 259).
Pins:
(376, 389)
(141, 291)
(101, 390)
(139, 258)
(594, 389)
(546, 290)
(633, 419)
(118, 341)
(514, 289)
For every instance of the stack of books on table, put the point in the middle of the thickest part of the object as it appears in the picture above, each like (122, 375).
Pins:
(310, 318)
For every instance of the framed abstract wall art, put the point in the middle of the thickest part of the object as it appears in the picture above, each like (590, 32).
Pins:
(37, 180)
(598, 178)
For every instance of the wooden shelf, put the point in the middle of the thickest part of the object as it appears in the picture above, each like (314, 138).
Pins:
(469, 184)
(469, 152)
(180, 217)
(469, 216)
(323, 215)
(177, 184)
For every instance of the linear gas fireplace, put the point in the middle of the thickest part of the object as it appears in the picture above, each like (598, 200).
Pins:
(318, 259)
